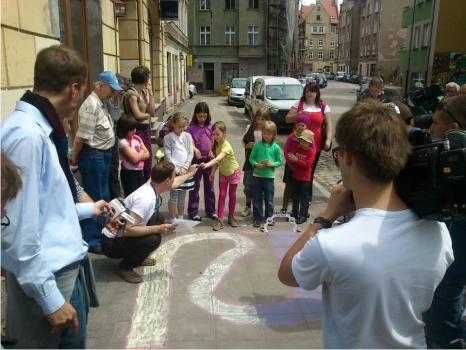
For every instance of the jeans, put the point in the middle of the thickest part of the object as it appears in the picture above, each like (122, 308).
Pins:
(262, 190)
(131, 180)
(68, 341)
(94, 166)
(133, 250)
(300, 198)
(443, 321)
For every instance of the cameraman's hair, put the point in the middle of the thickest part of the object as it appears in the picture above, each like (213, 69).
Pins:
(11, 181)
(457, 106)
(376, 82)
(376, 137)
(161, 171)
(271, 127)
(57, 67)
(405, 112)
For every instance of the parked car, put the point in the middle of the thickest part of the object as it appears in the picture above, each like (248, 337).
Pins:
(192, 90)
(236, 92)
(303, 81)
(323, 80)
(355, 79)
(391, 93)
(347, 78)
(278, 94)
(248, 92)
(330, 76)
(340, 76)
(318, 78)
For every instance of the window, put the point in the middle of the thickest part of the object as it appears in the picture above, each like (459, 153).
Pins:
(369, 12)
(426, 35)
(318, 8)
(230, 4)
(311, 55)
(311, 42)
(333, 29)
(253, 35)
(375, 28)
(376, 6)
(314, 29)
(417, 34)
(205, 5)
(230, 37)
(331, 56)
(332, 43)
(320, 55)
(321, 30)
(205, 35)
(319, 18)
(253, 4)
(321, 42)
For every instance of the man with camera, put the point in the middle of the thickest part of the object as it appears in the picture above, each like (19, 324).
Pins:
(139, 240)
(443, 320)
(379, 271)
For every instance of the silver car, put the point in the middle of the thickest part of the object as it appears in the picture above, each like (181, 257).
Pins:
(236, 92)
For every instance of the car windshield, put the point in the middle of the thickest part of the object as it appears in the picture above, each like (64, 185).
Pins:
(238, 84)
(391, 93)
(284, 92)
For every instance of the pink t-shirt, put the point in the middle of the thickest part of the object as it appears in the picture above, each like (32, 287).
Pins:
(135, 145)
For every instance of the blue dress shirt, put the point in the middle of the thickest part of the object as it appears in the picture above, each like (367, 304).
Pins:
(44, 235)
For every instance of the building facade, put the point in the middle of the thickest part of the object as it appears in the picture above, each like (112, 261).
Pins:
(319, 37)
(236, 39)
(348, 37)
(432, 52)
(107, 40)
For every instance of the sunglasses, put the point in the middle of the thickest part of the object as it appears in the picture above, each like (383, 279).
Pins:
(441, 106)
(335, 153)
(5, 222)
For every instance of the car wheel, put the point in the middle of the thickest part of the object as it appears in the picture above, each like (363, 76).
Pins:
(190, 94)
(228, 101)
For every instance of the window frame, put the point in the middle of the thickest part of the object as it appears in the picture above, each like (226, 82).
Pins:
(320, 55)
(331, 56)
(332, 42)
(417, 37)
(230, 32)
(320, 42)
(252, 34)
(310, 55)
(206, 6)
(254, 2)
(311, 42)
(228, 4)
(206, 33)
(426, 32)
(333, 29)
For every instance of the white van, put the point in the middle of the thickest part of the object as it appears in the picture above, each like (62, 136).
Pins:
(278, 94)
(340, 76)
(248, 92)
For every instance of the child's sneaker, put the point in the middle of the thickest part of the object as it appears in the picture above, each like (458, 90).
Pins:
(218, 225)
(246, 211)
(257, 223)
(232, 221)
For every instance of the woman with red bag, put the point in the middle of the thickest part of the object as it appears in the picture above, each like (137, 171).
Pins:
(320, 122)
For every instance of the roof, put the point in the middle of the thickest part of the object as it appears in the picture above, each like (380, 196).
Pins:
(280, 80)
(306, 10)
(331, 9)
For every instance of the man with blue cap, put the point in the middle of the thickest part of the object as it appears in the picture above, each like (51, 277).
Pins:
(92, 149)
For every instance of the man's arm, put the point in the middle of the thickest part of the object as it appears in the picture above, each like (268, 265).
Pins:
(339, 204)
(136, 231)
(77, 147)
(182, 178)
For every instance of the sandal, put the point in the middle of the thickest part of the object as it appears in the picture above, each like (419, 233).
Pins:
(196, 218)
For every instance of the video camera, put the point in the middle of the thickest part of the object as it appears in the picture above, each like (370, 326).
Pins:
(433, 183)
(423, 103)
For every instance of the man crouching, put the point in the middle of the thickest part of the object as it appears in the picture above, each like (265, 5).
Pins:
(139, 240)
(379, 271)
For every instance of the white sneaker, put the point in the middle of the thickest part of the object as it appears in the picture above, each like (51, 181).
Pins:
(246, 212)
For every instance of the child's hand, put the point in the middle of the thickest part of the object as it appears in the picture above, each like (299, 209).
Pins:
(250, 145)
(260, 165)
(211, 155)
(292, 157)
(197, 154)
(212, 176)
(193, 169)
(183, 171)
(202, 165)
(269, 164)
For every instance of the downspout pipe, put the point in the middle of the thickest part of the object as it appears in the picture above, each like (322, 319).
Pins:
(141, 33)
(410, 50)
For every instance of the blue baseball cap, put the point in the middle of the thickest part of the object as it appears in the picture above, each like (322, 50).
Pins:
(110, 78)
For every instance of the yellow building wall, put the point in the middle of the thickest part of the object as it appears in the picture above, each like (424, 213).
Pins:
(450, 24)
(110, 37)
(23, 36)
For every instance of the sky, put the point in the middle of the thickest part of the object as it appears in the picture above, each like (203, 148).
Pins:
(308, 2)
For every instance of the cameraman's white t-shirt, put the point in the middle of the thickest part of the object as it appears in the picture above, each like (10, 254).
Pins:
(379, 273)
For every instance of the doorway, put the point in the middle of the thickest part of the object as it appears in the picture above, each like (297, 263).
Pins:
(209, 76)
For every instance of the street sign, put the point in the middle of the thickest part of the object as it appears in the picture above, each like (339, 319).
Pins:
(169, 10)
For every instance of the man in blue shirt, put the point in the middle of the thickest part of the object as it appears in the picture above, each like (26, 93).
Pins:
(42, 247)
